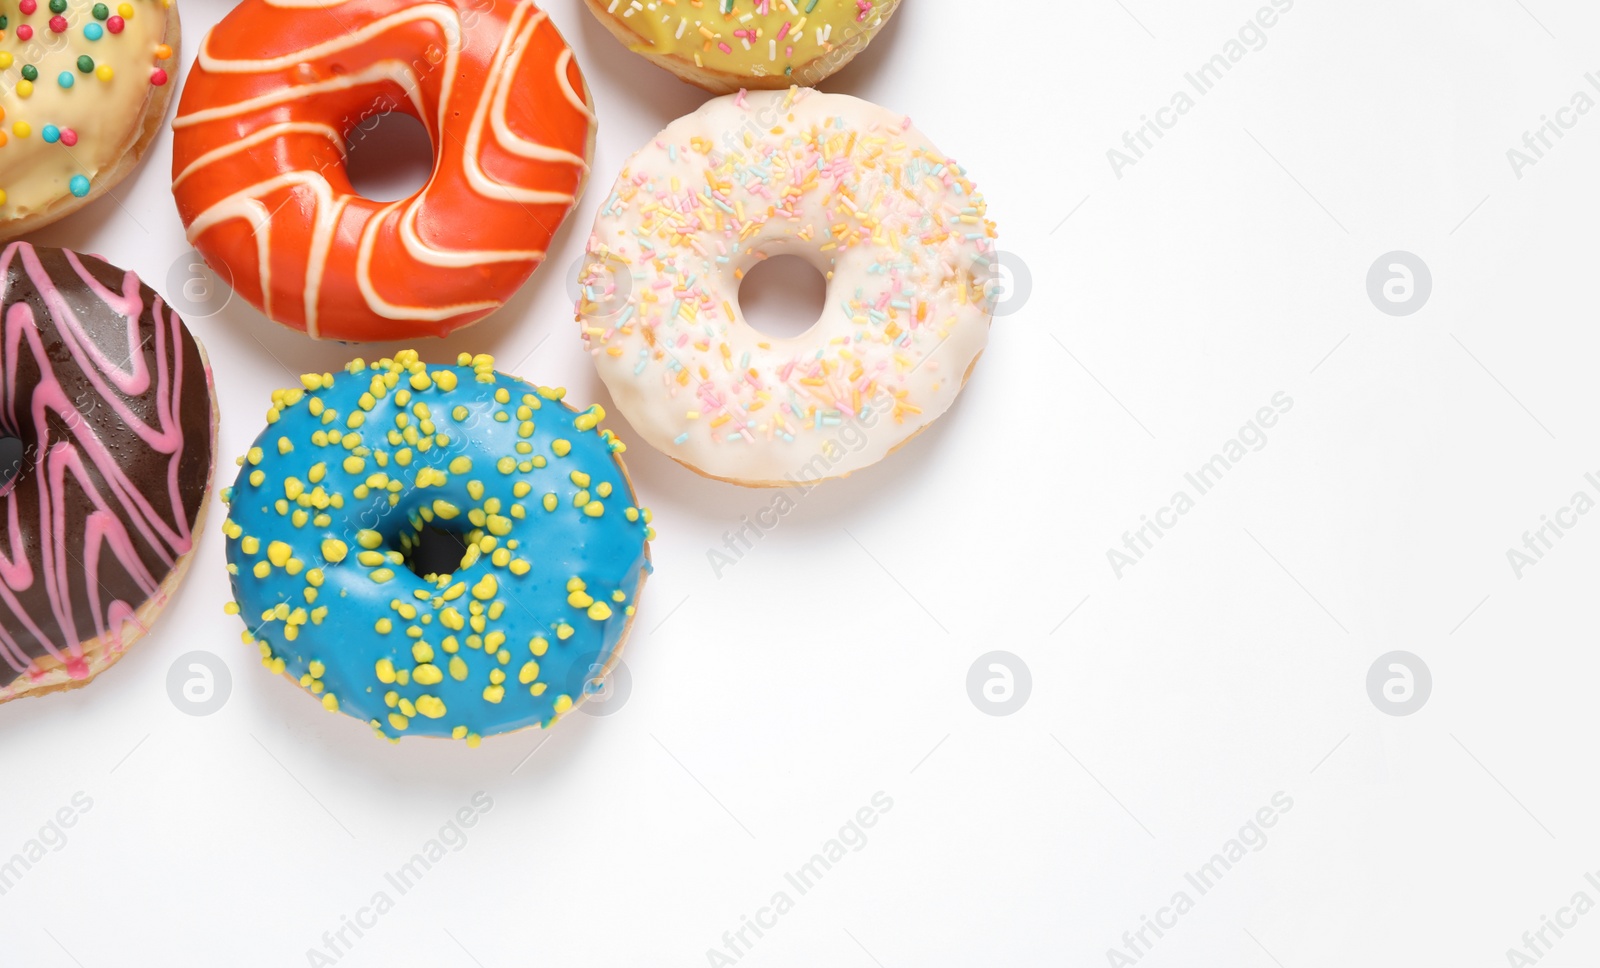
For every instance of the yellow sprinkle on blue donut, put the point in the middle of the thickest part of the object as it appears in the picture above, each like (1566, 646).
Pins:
(328, 512)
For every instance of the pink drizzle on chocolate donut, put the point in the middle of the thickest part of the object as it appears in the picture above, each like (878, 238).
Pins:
(110, 398)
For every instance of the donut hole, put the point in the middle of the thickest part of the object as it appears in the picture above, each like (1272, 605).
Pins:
(388, 156)
(783, 296)
(435, 552)
(12, 453)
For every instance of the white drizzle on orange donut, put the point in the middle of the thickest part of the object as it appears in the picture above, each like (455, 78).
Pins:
(258, 158)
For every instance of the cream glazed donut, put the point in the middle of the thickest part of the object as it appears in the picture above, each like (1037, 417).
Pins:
(84, 86)
(895, 226)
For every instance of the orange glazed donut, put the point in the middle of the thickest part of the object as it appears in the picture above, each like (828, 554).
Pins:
(258, 158)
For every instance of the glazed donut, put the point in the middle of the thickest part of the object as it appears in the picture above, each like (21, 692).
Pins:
(334, 499)
(111, 399)
(83, 90)
(258, 158)
(895, 226)
(726, 45)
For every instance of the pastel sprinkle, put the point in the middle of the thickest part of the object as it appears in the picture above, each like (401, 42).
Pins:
(858, 191)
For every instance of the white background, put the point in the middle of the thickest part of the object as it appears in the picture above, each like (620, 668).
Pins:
(830, 663)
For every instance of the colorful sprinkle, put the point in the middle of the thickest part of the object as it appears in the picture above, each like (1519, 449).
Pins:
(755, 38)
(852, 187)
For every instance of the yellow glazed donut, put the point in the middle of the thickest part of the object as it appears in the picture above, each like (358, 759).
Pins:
(727, 45)
(84, 85)
(893, 223)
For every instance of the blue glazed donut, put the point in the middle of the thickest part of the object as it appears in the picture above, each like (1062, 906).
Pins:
(335, 497)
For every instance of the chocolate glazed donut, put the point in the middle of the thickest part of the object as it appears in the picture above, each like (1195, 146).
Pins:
(111, 399)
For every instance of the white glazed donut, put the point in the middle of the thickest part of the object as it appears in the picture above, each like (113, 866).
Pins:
(894, 225)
